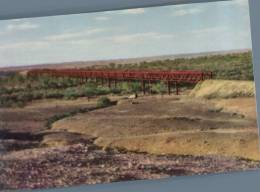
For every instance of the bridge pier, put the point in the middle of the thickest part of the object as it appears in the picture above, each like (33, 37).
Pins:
(109, 83)
(143, 86)
(128, 83)
(176, 88)
(169, 87)
(115, 83)
(150, 87)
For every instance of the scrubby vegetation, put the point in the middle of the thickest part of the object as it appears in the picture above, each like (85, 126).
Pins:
(159, 88)
(236, 66)
(103, 102)
(16, 89)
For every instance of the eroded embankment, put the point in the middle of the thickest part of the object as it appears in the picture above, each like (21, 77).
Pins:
(73, 155)
(170, 126)
(223, 89)
(23, 128)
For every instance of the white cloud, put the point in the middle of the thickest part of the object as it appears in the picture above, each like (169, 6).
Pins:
(211, 30)
(25, 45)
(102, 18)
(138, 37)
(122, 39)
(60, 40)
(74, 35)
(21, 26)
(132, 11)
(186, 11)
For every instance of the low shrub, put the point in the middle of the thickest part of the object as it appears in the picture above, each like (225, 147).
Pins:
(24, 97)
(70, 94)
(3, 90)
(102, 91)
(115, 90)
(132, 87)
(159, 88)
(53, 94)
(103, 102)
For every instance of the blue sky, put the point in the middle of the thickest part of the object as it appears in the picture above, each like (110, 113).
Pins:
(175, 29)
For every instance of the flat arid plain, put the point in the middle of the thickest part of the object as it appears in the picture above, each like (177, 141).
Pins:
(58, 132)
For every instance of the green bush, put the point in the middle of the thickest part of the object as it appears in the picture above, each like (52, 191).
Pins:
(18, 104)
(54, 94)
(10, 102)
(159, 88)
(102, 91)
(89, 91)
(3, 90)
(234, 66)
(70, 94)
(132, 87)
(24, 97)
(115, 90)
(103, 102)
(4, 102)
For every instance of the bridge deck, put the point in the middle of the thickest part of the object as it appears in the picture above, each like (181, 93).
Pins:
(172, 76)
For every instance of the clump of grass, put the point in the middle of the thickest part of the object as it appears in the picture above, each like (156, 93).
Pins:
(215, 109)
(70, 94)
(102, 91)
(159, 88)
(103, 102)
(132, 87)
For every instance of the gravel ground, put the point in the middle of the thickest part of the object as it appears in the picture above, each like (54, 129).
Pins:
(88, 164)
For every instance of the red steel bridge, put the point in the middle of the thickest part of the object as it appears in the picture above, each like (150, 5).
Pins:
(142, 76)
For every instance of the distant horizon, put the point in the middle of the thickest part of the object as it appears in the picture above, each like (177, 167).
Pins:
(178, 56)
(126, 34)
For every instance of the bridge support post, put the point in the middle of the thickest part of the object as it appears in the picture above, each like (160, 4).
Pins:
(109, 83)
(115, 83)
(143, 86)
(169, 87)
(176, 88)
(150, 87)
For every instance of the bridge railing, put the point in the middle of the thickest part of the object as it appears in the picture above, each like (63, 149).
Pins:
(187, 76)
